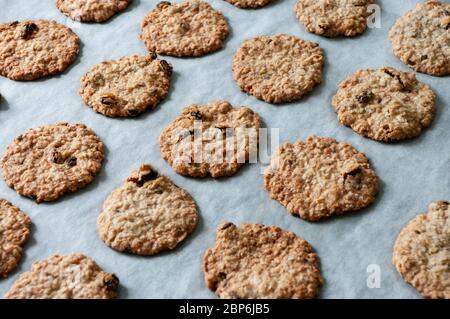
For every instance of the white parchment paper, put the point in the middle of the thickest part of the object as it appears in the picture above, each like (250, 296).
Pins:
(413, 172)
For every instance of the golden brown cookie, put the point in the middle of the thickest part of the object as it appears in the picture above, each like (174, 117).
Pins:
(48, 161)
(279, 68)
(188, 28)
(421, 38)
(91, 10)
(31, 50)
(213, 139)
(385, 104)
(126, 87)
(147, 214)
(258, 261)
(320, 178)
(332, 18)
(422, 252)
(14, 233)
(72, 276)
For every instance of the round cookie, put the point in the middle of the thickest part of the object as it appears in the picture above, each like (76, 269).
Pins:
(214, 139)
(126, 87)
(246, 4)
(279, 68)
(91, 10)
(72, 276)
(332, 18)
(320, 178)
(31, 50)
(257, 261)
(422, 252)
(421, 38)
(48, 161)
(147, 214)
(384, 104)
(14, 233)
(189, 28)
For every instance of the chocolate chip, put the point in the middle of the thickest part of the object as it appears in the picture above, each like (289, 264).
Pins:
(111, 281)
(364, 97)
(71, 161)
(28, 30)
(196, 115)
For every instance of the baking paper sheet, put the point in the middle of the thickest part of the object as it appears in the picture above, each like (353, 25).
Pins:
(413, 173)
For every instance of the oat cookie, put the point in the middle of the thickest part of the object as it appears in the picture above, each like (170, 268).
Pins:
(72, 276)
(126, 87)
(48, 161)
(214, 139)
(332, 18)
(14, 233)
(147, 214)
(421, 38)
(34, 49)
(385, 104)
(188, 28)
(91, 10)
(258, 261)
(245, 4)
(422, 252)
(320, 178)
(279, 68)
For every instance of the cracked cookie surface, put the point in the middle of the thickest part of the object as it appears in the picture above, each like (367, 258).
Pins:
(213, 139)
(31, 50)
(72, 276)
(421, 38)
(91, 10)
(14, 233)
(127, 86)
(48, 161)
(422, 252)
(320, 178)
(188, 28)
(332, 18)
(385, 104)
(258, 261)
(147, 214)
(279, 68)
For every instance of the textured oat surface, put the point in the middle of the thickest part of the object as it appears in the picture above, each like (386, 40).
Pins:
(147, 214)
(72, 276)
(279, 68)
(48, 161)
(320, 178)
(91, 10)
(385, 104)
(126, 87)
(333, 18)
(188, 28)
(245, 4)
(213, 139)
(34, 49)
(421, 38)
(14, 232)
(422, 252)
(258, 261)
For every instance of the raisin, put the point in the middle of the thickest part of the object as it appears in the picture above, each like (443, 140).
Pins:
(14, 23)
(111, 281)
(153, 55)
(28, 30)
(139, 181)
(364, 97)
(166, 67)
(352, 172)
(108, 99)
(196, 115)
(57, 157)
(163, 4)
(133, 112)
(71, 161)
(424, 57)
